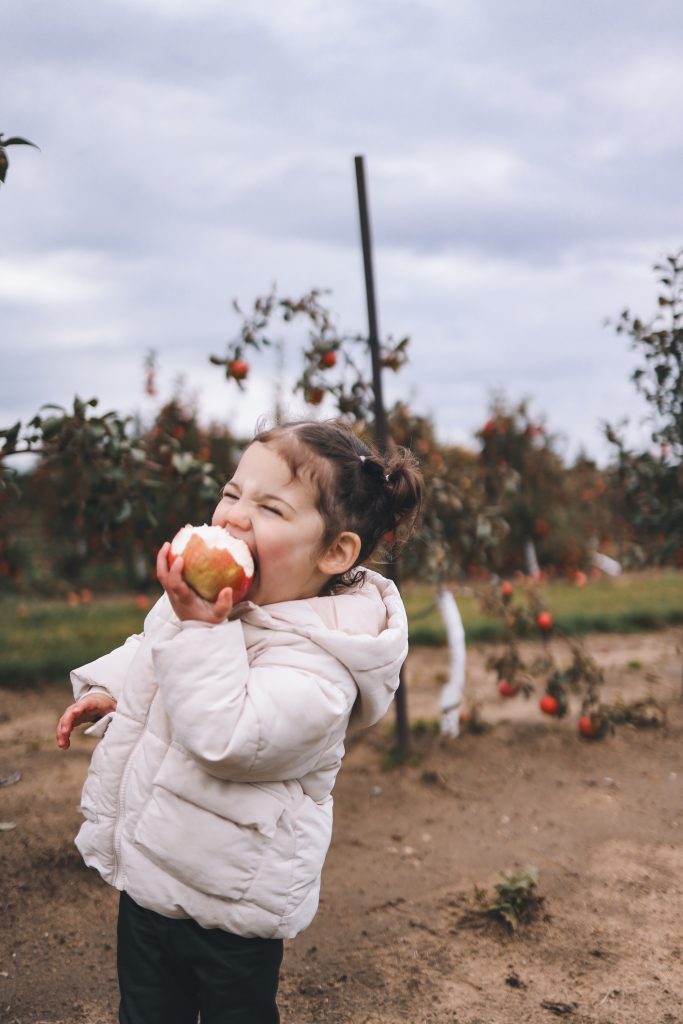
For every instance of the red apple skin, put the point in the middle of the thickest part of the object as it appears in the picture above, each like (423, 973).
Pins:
(208, 570)
(544, 621)
(548, 704)
(238, 369)
(591, 726)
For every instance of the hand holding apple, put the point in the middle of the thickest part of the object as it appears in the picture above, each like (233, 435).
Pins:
(205, 571)
(213, 559)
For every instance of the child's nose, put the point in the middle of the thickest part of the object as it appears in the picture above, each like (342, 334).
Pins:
(238, 516)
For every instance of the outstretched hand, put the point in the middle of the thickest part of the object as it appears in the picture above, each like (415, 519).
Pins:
(90, 708)
(186, 602)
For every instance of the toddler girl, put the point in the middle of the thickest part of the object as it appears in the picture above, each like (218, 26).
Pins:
(208, 803)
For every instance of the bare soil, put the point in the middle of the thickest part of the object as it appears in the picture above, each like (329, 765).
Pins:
(397, 937)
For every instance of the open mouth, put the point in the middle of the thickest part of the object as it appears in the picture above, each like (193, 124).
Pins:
(254, 559)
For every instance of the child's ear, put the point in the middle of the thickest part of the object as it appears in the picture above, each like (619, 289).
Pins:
(341, 554)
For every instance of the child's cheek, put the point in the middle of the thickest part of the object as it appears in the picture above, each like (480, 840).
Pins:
(218, 514)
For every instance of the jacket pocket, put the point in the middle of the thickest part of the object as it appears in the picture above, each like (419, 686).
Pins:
(208, 833)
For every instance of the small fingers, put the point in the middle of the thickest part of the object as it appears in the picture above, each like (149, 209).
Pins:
(185, 601)
(64, 728)
(62, 737)
(223, 604)
(87, 709)
(162, 563)
(173, 581)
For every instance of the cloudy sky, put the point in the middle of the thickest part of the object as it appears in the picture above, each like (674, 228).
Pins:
(524, 167)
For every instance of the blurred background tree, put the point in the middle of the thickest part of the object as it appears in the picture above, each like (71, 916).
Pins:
(102, 493)
(649, 484)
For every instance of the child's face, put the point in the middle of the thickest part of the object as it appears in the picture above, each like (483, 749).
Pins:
(275, 515)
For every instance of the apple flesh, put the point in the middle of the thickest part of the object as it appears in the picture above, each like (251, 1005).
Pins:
(213, 559)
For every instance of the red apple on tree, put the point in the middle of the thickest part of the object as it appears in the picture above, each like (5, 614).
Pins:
(238, 369)
(544, 621)
(592, 726)
(213, 559)
(328, 360)
(548, 704)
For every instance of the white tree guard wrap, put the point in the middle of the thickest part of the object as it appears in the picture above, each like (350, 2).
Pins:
(451, 694)
(531, 559)
(606, 564)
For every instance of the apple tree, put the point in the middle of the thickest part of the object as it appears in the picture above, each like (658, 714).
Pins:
(524, 476)
(649, 483)
(103, 491)
(459, 527)
(334, 363)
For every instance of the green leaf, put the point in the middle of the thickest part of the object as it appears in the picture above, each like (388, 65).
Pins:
(52, 426)
(16, 140)
(11, 433)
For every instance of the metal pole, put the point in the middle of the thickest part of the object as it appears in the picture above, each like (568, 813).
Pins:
(373, 331)
(402, 727)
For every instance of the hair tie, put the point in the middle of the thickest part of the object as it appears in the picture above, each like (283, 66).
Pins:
(362, 462)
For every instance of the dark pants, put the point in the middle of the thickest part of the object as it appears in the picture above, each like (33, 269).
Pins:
(171, 970)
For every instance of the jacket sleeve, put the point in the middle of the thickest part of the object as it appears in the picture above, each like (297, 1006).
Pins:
(108, 673)
(273, 720)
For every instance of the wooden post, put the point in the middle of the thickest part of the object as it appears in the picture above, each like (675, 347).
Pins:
(381, 430)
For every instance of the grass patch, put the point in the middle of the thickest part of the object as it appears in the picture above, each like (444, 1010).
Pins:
(630, 604)
(43, 640)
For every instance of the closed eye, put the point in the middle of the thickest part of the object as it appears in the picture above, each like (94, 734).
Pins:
(271, 508)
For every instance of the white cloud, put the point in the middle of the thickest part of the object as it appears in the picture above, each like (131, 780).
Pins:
(522, 172)
(62, 278)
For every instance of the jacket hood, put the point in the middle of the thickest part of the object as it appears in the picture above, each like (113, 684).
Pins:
(366, 629)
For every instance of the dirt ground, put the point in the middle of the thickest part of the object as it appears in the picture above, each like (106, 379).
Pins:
(394, 940)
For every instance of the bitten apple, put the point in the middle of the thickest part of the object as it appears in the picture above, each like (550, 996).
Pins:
(213, 559)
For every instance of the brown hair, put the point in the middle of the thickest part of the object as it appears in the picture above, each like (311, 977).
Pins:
(357, 488)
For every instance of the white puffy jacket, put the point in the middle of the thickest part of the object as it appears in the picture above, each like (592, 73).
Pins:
(209, 795)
